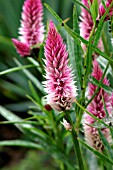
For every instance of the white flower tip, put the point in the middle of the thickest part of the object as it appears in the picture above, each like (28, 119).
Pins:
(66, 125)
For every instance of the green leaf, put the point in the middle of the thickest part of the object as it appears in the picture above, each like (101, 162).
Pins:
(31, 77)
(98, 154)
(6, 41)
(78, 63)
(22, 122)
(100, 25)
(34, 93)
(105, 109)
(16, 69)
(72, 59)
(97, 83)
(72, 33)
(106, 144)
(81, 4)
(76, 36)
(22, 127)
(21, 143)
(94, 10)
(94, 117)
(35, 63)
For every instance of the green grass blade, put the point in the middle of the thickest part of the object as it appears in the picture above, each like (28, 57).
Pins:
(98, 154)
(97, 83)
(72, 33)
(77, 50)
(106, 144)
(22, 127)
(81, 4)
(21, 143)
(31, 77)
(16, 69)
(100, 25)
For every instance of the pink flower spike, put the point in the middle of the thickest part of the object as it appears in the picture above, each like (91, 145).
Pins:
(96, 107)
(59, 83)
(102, 10)
(32, 29)
(21, 48)
(86, 26)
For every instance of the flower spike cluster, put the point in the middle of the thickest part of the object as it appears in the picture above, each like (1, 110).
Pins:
(96, 107)
(31, 30)
(102, 10)
(59, 83)
(86, 25)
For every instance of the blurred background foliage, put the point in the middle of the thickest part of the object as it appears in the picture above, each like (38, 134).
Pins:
(14, 86)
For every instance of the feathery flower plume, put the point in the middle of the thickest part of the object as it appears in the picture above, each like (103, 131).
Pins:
(102, 10)
(86, 25)
(96, 107)
(31, 30)
(59, 83)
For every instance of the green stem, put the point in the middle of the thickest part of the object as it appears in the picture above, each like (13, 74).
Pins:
(87, 70)
(75, 142)
(94, 117)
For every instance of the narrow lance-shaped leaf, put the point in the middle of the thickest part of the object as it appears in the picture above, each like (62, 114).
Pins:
(94, 10)
(77, 49)
(31, 77)
(98, 154)
(21, 143)
(106, 144)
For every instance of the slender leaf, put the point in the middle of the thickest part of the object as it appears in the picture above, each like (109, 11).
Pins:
(76, 36)
(16, 69)
(97, 83)
(106, 144)
(81, 4)
(34, 93)
(76, 68)
(22, 127)
(21, 143)
(94, 10)
(100, 25)
(98, 154)
(72, 33)
(77, 50)
(31, 77)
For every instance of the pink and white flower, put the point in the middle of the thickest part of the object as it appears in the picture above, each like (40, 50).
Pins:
(32, 29)
(96, 107)
(86, 25)
(59, 83)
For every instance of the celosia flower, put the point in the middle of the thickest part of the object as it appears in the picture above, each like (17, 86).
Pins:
(86, 25)
(96, 107)
(66, 125)
(102, 10)
(112, 99)
(31, 30)
(59, 83)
